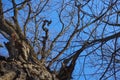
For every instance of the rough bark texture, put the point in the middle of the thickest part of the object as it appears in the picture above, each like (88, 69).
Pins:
(22, 64)
(16, 70)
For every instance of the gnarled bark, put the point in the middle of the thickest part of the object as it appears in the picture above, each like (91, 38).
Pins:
(16, 70)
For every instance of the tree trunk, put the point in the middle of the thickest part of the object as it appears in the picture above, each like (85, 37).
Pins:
(21, 65)
(16, 70)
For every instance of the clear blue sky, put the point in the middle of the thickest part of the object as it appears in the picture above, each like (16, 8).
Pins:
(55, 27)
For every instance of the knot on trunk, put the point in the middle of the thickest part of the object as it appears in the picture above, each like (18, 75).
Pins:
(18, 50)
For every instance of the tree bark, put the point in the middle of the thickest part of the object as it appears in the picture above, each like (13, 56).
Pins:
(16, 70)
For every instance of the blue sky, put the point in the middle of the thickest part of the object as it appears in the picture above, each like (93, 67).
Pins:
(51, 13)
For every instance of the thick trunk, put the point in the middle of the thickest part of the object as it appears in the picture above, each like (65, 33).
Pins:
(21, 65)
(16, 70)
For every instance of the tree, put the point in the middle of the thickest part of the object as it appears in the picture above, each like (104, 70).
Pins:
(60, 40)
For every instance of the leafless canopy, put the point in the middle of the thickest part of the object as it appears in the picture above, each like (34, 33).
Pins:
(76, 39)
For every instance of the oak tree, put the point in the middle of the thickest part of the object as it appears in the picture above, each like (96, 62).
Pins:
(59, 39)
